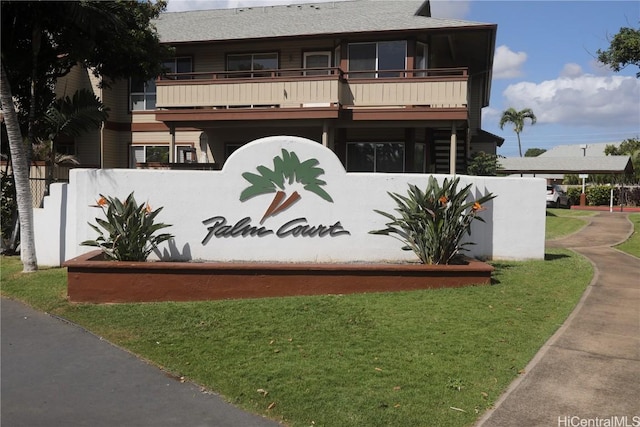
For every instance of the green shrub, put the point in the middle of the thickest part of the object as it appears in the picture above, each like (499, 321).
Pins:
(8, 204)
(483, 164)
(128, 230)
(598, 195)
(432, 223)
(574, 195)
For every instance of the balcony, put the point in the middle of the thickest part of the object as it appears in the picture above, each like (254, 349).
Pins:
(312, 92)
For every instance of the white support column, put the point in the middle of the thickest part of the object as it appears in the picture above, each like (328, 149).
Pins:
(172, 146)
(452, 150)
(325, 134)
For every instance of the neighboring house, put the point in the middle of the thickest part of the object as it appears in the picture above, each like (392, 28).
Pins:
(579, 150)
(382, 83)
(554, 163)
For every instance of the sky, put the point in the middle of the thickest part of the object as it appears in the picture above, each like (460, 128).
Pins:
(545, 59)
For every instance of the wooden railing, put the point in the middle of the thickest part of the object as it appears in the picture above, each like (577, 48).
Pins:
(314, 87)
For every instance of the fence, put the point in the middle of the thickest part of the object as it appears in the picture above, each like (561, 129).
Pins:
(38, 173)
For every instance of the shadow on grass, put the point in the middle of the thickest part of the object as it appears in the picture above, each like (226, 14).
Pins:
(553, 257)
(499, 268)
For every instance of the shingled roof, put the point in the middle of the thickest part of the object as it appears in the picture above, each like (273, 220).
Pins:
(339, 17)
(564, 165)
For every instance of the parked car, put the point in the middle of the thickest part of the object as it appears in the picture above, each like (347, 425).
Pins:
(557, 197)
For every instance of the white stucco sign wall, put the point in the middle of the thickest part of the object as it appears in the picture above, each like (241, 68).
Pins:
(289, 199)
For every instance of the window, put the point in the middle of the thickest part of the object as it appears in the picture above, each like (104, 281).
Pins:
(371, 60)
(160, 154)
(186, 154)
(375, 157)
(252, 62)
(422, 58)
(178, 66)
(143, 93)
(317, 60)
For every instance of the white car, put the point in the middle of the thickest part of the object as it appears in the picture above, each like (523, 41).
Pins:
(556, 197)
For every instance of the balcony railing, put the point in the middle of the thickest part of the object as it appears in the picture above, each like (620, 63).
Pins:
(314, 87)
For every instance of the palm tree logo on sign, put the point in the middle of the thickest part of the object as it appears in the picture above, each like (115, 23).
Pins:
(287, 179)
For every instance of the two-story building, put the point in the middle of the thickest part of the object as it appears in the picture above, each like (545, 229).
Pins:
(385, 85)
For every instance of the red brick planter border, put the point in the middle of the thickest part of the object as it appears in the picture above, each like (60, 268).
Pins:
(93, 280)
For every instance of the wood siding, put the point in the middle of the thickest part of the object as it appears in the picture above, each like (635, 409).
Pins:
(293, 93)
(311, 92)
(435, 94)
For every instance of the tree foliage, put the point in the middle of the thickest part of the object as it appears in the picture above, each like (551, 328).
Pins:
(42, 41)
(483, 164)
(534, 152)
(624, 50)
(629, 147)
(517, 118)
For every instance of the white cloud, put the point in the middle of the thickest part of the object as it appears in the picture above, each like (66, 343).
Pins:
(580, 99)
(571, 70)
(599, 69)
(508, 64)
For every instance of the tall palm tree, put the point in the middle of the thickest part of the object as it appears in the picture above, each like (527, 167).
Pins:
(20, 166)
(517, 118)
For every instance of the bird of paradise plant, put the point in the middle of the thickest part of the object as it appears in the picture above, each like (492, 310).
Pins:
(127, 234)
(432, 223)
(287, 170)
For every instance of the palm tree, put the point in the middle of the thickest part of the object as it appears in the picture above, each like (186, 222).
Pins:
(517, 118)
(70, 117)
(20, 167)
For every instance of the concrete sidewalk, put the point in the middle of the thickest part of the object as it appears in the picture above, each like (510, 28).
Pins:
(57, 374)
(589, 371)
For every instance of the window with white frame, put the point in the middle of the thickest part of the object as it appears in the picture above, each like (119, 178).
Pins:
(317, 60)
(143, 93)
(253, 63)
(377, 59)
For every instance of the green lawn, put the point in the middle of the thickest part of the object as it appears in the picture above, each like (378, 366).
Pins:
(441, 357)
(562, 222)
(632, 245)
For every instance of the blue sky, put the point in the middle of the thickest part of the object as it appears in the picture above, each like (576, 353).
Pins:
(545, 60)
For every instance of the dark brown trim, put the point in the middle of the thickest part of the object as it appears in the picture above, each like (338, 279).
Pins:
(158, 127)
(117, 126)
(149, 127)
(201, 115)
(415, 113)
